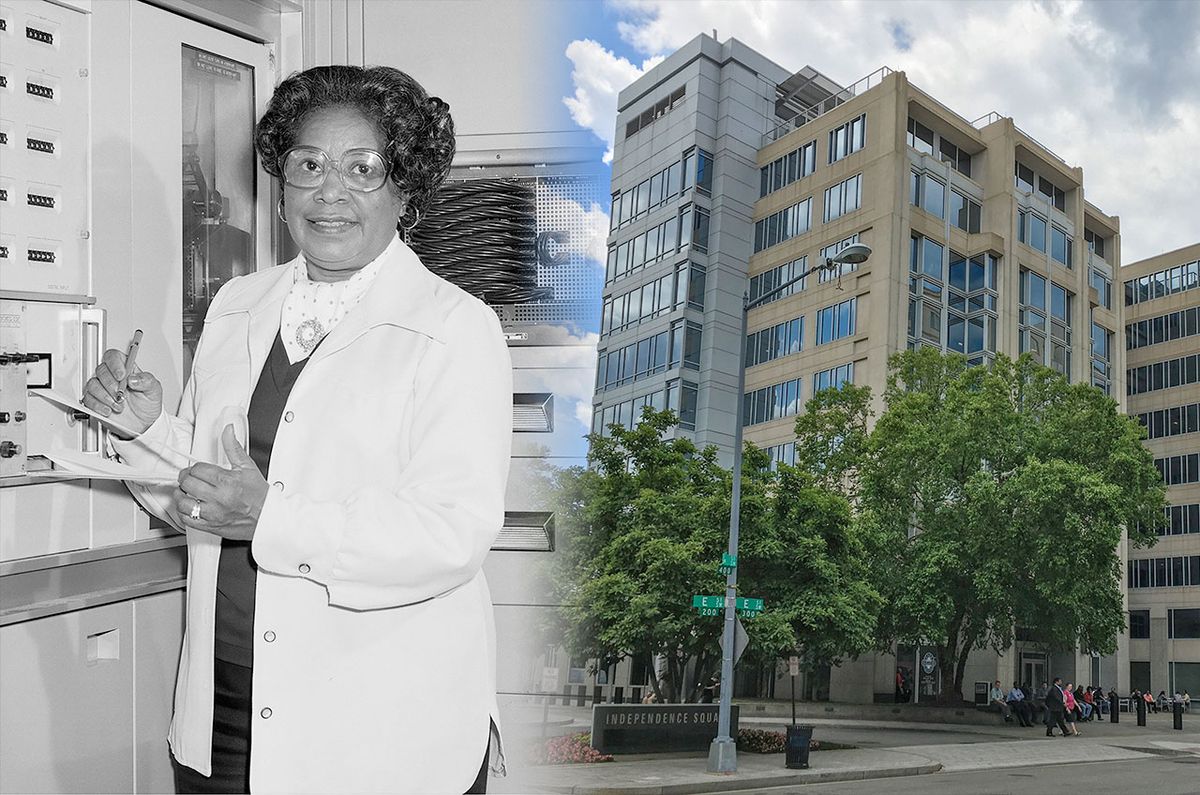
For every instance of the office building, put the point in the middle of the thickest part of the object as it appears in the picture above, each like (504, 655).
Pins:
(1162, 324)
(732, 173)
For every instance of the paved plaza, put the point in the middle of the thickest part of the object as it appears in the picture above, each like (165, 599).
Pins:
(882, 749)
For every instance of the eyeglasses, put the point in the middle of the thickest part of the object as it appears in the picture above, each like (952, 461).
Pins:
(362, 170)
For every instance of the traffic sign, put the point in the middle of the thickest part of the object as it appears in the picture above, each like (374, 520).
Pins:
(708, 601)
(740, 641)
(728, 563)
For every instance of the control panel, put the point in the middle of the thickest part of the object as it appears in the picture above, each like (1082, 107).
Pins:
(43, 149)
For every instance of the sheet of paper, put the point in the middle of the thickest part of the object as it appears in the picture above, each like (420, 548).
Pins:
(72, 403)
(90, 465)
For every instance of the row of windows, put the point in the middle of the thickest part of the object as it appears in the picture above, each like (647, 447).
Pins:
(1024, 177)
(648, 194)
(678, 396)
(783, 400)
(665, 294)
(647, 117)
(1181, 624)
(1031, 230)
(783, 225)
(1174, 421)
(689, 228)
(951, 319)
(1163, 283)
(1162, 375)
(763, 283)
(781, 454)
(785, 170)
(1101, 358)
(1180, 519)
(844, 197)
(1174, 572)
(847, 139)
(771, 403)
(775, 342)
(1164, 328)
(837, 321)
(668, 349)
(929, 193)
(840, 269)
(1178, 470)
(1103, 286)
(966, 274)
(921, 138)
(834, 377)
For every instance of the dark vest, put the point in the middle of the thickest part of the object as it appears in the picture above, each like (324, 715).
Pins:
(237, 573)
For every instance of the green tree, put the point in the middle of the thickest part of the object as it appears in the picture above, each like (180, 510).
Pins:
(1002, 493)
(643, 529)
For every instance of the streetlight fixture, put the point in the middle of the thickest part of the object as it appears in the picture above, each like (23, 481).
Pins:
(722, 753)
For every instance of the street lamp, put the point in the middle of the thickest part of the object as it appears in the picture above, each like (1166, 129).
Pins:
(722, 753)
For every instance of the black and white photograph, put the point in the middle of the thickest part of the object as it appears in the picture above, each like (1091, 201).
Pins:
(599, 396)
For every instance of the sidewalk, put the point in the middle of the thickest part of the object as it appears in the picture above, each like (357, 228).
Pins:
(677, 775)
(982, 747)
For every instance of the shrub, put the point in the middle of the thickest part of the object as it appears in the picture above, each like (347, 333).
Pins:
(761, 741)
(569, 749)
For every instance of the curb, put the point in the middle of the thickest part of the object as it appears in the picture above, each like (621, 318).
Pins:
(721, 784)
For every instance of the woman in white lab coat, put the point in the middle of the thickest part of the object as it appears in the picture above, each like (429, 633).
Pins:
(339, 629)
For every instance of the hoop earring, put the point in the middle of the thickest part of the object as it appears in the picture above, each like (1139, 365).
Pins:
(408, 229)
(279, 211)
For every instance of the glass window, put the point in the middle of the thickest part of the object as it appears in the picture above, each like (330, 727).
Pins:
(1037, 232)
(931, 258)
(920, 137)
(1139, 624)
(704, 172)
(1184, 623)
(1059, 245)
(219, 183)
(933, 196)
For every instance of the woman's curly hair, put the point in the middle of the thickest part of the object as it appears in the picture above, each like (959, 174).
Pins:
(416, 128)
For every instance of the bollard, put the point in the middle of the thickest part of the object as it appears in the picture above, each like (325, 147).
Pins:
(1114, 708)
(1141, 711)
(1177, 714)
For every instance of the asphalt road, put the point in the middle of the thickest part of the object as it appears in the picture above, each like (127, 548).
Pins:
(1163, 776)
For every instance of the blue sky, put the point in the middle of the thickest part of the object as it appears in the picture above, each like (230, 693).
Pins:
(1112, 86)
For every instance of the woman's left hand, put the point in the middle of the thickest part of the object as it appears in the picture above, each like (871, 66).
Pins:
(230, 500)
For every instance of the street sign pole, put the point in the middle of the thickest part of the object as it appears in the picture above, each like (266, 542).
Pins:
(722, 754)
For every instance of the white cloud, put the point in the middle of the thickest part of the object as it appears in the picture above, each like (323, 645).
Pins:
(592, 243)
(598, 75)
(1113, 87)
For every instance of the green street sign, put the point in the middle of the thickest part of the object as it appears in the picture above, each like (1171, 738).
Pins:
(708, 602)
(749, 604)
(728, 563)
(710, 611)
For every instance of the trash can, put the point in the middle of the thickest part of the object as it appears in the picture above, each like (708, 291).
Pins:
(799, 738)
(1114, 707)
(1177, 714)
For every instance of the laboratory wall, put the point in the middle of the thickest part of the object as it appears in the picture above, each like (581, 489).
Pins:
(128, 195)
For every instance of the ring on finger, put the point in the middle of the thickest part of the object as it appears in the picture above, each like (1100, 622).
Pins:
(196, 510)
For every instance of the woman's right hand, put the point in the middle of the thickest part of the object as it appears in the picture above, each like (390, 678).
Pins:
(138, 405)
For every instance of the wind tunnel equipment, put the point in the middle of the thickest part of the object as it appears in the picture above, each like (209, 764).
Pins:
(482, 236)
(513, 228)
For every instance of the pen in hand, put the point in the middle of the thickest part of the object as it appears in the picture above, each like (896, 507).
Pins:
(130, 360)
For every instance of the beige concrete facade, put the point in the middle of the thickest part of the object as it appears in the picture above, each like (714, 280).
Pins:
(1161, 662)
(887, 220)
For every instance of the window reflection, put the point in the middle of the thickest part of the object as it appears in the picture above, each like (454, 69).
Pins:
(218, 183)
